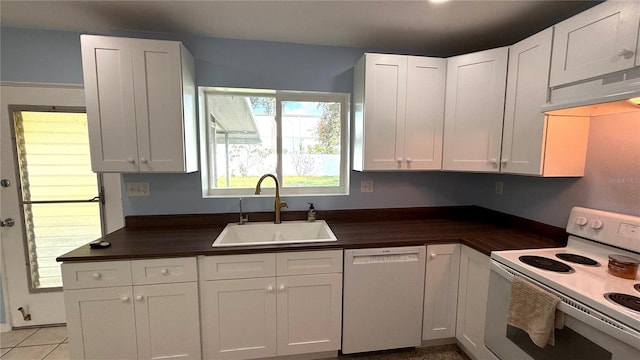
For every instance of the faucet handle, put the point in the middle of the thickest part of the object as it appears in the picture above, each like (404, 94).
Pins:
(243, 218)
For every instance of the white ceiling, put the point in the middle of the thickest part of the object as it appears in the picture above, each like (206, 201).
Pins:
(418, 26)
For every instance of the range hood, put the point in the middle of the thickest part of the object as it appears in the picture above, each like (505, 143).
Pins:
(603, 95)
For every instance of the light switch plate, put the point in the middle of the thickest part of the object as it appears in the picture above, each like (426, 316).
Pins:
(137, 189)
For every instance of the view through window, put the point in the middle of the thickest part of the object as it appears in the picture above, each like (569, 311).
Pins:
(60, 201)
(300, 137)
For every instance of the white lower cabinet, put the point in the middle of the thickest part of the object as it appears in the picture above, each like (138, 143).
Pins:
(101, 323)
(167, 321)
(309, 313)
(238, 318)
(472, 302)
(155, 320)
(441, 291)
(251, 310)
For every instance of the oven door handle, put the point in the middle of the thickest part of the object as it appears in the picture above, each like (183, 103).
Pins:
(578, 310)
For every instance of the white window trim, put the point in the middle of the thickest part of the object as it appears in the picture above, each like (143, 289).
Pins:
(280, 96)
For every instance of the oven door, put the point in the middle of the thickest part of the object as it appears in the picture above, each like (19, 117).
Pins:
(585, 336)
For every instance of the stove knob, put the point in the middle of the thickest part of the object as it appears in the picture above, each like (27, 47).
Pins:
(582, 221)
(596, 224)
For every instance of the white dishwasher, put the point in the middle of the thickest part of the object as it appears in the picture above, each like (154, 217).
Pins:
(383, 298)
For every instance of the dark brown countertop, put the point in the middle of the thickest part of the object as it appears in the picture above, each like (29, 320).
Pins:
(478, 228)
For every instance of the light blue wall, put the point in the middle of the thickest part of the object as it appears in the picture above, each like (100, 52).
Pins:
(46, 56)
(40, 56)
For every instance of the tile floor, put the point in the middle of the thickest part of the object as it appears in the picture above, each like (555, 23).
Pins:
(48, 343)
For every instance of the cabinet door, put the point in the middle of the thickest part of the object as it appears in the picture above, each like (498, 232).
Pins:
(598, 41)
(472, 302)
(239, 318)
(441, 291)
(424, 113)
(474, 110)
(384, 111)
(157, 70)
(108, 81)
(309, 313)
(167, 319)
(527, 86)
(101, 323)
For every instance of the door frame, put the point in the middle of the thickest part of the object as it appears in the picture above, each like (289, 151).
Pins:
(46, 307)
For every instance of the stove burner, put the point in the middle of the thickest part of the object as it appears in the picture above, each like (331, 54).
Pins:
(578, 259)
(626, 300)
(546, 264)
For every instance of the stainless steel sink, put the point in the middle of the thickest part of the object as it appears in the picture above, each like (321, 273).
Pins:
(263, 233)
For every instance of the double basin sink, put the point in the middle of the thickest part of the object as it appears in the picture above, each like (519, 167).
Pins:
(263, 233)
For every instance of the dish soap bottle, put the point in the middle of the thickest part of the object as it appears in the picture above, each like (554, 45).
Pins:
(311, 215)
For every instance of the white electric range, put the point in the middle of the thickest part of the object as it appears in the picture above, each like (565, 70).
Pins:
(602, 311)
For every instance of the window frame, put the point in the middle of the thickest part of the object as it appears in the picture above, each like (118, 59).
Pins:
(280, 96)
(99, 198)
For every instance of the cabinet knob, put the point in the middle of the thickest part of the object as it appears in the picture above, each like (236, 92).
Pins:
(433, 255)
(164, 272)
(282, 288)
(596, 224)
(625, 53)
(124, 299)
(130, 160)
(269, 289)
(399, 159)
(504, 161)
(139, 298)
(494, 161)
(143, 160)
(97, 276)
(409, 160)
(581, 221)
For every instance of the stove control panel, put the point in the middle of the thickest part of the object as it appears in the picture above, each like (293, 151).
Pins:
(609, 228)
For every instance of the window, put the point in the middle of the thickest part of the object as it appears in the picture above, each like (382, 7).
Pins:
(59, 195)
(300, 137)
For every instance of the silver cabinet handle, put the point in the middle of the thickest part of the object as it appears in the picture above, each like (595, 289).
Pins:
(625, 53)
(139, 298)
(124, 299)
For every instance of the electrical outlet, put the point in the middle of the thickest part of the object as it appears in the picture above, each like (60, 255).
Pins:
(499, 187)
(137, 189)
(366, 186)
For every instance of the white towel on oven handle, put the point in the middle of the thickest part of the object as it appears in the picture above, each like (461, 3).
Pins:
(535, 311)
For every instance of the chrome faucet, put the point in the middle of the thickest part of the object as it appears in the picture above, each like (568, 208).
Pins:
(278, 203)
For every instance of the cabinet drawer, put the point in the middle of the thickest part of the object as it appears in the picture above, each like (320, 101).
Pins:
(96, 274)
(309, 262)
(238, 266)
(160, 271)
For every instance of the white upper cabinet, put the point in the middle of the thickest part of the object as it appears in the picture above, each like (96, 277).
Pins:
(532, 143)
(140, 97)
(474, 111)
(399, 112)
(598, 41)
(527, 86)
